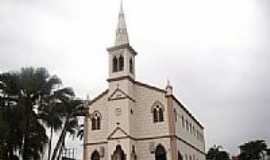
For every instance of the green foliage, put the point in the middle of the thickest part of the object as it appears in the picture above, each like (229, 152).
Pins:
(253, 150)
(215, 153)
(30, 100)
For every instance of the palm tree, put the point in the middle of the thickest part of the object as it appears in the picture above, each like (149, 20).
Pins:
(23, 95)
(72, 109)
(253, 150)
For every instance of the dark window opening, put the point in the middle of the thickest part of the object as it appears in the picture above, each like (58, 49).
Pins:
(121, 63)
(115, 64)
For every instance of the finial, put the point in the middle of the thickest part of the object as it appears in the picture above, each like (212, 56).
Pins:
(121, 31)
(169, 88)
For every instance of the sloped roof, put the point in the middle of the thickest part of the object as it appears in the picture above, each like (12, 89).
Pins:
(156, 89)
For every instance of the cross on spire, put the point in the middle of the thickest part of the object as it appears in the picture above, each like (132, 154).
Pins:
(121, 31)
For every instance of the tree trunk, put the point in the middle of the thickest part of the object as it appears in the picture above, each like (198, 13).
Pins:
(61, 148)
(50, 144)
(60, 140)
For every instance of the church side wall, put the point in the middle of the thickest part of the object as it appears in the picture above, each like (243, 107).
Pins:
(189, 135)
(144, 124)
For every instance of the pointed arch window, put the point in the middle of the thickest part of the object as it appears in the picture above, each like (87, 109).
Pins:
(157, 111)
(121, 63)
(96, 121)
(131, 69)
(175, 114)
(115, 64)
(95, 156)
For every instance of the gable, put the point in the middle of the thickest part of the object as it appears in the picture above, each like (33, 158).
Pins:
(117, 133)
(119, 94)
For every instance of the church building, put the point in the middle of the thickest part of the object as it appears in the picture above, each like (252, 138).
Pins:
(132, 120)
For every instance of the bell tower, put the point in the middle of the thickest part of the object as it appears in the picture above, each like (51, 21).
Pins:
(121, 55)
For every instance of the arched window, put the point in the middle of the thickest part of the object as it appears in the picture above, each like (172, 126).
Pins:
(157, 111)
(175, 114)
(95, 156)
(96, 121)
(121, 63)
(160, 153)
(131, 66)
(179, 157)
(115, 64)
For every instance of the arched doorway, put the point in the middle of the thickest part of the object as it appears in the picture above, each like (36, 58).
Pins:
(160, 153)
(118, 154)
(179, 157)
(95, 156)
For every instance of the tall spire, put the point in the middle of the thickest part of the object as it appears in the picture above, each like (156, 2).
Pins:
(121, 31)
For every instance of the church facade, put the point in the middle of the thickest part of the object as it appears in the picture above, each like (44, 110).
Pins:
(136, 121)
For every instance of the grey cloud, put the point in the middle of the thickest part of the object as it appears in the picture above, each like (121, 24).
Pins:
(225, 87)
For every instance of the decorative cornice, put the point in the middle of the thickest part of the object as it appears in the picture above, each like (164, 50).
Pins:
(123, 46)
(148, 138)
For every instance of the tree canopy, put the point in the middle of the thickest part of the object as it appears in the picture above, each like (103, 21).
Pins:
(31, 101)
(215, 153)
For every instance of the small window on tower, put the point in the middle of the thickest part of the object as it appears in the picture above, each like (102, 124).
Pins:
(121, 63)
(115, 64)
(131, 66)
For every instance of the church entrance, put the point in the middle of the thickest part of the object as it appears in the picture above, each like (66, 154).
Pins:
(160, 153)
(118, 154)
(95, 156)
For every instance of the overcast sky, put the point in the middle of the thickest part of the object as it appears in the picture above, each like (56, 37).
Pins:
(216, 53)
